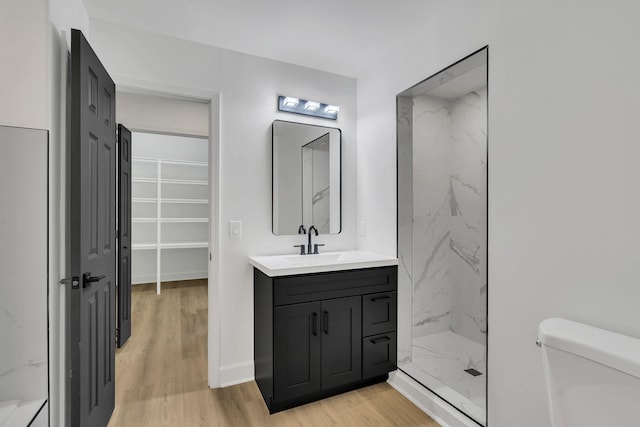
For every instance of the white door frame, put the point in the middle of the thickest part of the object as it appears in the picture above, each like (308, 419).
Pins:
(125, 84)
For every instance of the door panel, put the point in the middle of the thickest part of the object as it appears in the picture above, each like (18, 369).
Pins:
(91, 305)
(341, 341)
(296, 350)
(124, 231)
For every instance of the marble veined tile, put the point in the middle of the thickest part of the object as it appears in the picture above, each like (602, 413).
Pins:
(23, 355)
(468, 290)
(468, 155)
(439, 362)
(431, 154)
(431, 284)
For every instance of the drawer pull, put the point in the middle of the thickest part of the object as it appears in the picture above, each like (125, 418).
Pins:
(314, 324)
(326, 322)
(376, 299)
(379, 340)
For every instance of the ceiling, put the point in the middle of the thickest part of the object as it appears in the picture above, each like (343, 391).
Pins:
(341, 36)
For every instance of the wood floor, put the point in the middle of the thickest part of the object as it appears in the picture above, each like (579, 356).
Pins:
(161, 376)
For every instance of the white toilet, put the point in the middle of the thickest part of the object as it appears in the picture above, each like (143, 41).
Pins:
(592, 375)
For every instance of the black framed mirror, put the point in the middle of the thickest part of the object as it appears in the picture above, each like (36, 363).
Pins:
(306, 178)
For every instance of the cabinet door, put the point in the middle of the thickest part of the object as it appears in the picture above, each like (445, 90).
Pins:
(296, 352)
(341, 341)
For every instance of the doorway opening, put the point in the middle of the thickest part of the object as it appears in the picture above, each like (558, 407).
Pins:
(173, 181)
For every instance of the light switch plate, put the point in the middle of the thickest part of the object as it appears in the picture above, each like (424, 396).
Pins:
(235, 229)
(362, 228)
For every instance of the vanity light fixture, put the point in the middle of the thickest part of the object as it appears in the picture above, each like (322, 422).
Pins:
(312, 106)
(331, 109)
(290, 102)
(309, 108)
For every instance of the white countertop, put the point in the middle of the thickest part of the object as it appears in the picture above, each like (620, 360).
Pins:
(287, 265)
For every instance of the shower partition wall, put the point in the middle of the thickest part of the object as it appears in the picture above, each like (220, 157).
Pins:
(442, 234)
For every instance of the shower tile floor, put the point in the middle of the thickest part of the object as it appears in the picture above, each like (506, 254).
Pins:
(439, 362)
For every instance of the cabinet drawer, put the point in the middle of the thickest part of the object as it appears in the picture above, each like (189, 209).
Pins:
(321, 286)
(378, 354)
(379, 313)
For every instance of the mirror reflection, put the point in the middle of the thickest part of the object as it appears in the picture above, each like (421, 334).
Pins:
(306, 178)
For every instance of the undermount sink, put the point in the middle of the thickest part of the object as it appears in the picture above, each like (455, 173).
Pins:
(286, 265)
(316, 259)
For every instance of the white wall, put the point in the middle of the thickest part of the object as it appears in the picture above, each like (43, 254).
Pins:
(23, 74)
(249, 87)
(563, 175)
(144, 112)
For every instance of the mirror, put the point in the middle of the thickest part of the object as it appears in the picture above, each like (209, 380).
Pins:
(306, 178)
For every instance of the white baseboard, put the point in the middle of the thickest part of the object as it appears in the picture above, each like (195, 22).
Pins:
(143, 278)
(441, 412)
(168, 277)
(236, 373)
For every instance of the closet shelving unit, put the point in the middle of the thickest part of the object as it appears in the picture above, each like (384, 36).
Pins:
(162, 180)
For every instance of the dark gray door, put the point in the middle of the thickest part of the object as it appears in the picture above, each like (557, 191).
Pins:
(296, 350)
(124, 232)
(92, 252)
(341, 341)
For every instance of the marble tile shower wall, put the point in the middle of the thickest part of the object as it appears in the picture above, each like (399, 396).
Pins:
(449, 216)
(405, 228)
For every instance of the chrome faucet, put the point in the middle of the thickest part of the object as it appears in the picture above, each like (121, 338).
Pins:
(315, 230)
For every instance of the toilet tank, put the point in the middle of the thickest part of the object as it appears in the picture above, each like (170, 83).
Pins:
(592, 375)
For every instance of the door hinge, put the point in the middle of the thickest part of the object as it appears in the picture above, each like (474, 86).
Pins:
(73, 281)
(117, 335)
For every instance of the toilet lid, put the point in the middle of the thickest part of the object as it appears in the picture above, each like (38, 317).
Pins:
(609, 348)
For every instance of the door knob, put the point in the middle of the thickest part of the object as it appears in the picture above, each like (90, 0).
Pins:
(88, 279)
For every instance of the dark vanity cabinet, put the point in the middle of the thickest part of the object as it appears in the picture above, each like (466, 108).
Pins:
(323, 333)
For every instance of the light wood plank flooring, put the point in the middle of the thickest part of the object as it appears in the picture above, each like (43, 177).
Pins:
(161, 376)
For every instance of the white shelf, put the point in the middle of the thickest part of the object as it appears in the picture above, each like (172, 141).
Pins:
(185, 245)
(143, 246)
(144, 200)
(169, 201)
(189, 212)
(180, 245)
(185, 181)
(169, 161)
(172, 181)
(186, 201)
(170, 220)
(141, 220)
(178, 220)
(143, 179)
